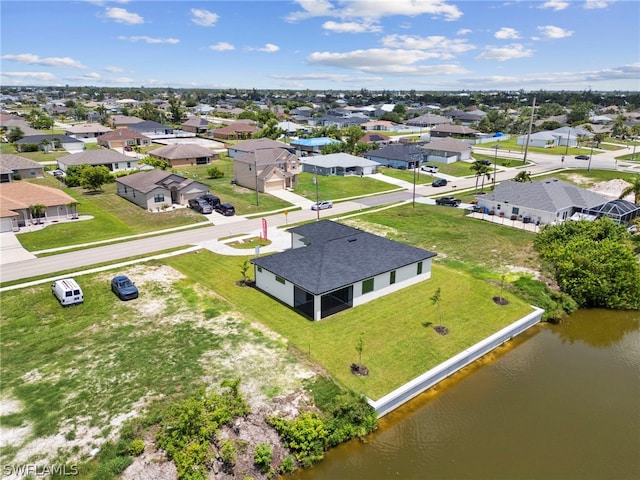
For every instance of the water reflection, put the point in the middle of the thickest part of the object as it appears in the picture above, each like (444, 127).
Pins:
(559, 402)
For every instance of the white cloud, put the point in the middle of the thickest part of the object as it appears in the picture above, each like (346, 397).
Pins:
(464, 31)
(384, 60)
(89, 77)
(553, 33)
(374, 9)
(506, 33)
(268, 48)
(204, 18)
(31, 59)
(222, 47)
(508, 52)
(436, 43)
(150, 40)
(332, 77)
(595, 4)
(555, 5)
(124, 81)
(121, 15)
(42, 76)
(351, 27)
(113, 69)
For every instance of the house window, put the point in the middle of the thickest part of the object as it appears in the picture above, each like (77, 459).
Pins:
(125, 190)
(419, 268)
(259, 269)
(159, 198)
(128, 164)
(515, 211)
(392, 277)
(32, 173)
(280, 279)
(367, 286)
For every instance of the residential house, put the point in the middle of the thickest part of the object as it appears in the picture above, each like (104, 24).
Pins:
(184, 154)
(398, 155)
(16, 198)
(455, 131)
(428, 120)
(123, 137)
(123, 121)
(114, 161)
(380, 125)
(311, 146)
(292, 128)
(446, 150)
(9, 122)
(547, 201)
(332, 267)
(15, 167)
(49, 142)
(338, 121)
(375, 138)
(267, 169)
(252, 145)
(466, 117)
(152, 129)
(158, 189)
(339, 164)
(542, 140)
(618, 210)
(197, 125)
(86, 130)
(235, 131)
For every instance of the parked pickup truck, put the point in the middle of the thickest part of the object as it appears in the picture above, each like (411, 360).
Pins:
(448, 201)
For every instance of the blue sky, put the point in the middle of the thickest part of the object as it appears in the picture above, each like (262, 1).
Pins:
(320, 44)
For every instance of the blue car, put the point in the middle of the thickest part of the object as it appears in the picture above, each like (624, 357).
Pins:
(124, 288)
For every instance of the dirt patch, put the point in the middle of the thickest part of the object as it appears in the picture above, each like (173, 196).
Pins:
(612, 188)
(380, 230)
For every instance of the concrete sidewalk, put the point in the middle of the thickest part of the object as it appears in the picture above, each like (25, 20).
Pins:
(289, 196)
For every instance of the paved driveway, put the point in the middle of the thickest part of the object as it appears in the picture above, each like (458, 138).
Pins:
(11, 250)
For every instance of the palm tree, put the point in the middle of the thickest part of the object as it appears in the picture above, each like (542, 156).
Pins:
(633, 188)
(37, 212)
(435, 300)
(522, 177)
(480, 169)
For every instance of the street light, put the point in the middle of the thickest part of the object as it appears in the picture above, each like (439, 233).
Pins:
(590, 155)
(566, 150)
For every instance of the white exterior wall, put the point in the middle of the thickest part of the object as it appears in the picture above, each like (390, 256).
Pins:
(126, 165)
(535, 215)
(405, 277)
(266, 281)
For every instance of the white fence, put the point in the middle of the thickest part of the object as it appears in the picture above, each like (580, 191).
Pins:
(411, 389)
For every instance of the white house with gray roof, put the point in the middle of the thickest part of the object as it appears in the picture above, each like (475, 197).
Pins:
(114, 161)
(339, 164)
(331, 267)
(547, 201)
(15, 167)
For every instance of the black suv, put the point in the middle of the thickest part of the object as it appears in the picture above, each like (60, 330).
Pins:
(225, 209)
(210, 199)
(448, 201)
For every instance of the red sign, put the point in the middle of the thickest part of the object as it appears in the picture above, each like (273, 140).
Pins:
(264, 228)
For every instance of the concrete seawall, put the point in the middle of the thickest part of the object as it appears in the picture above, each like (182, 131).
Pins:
(411, 389)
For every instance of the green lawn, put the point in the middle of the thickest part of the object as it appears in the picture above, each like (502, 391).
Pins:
(398, 347)
(502, 161)
(456, 169)
(337, 187)
(407, 175)
(588, 178)
(113, 217)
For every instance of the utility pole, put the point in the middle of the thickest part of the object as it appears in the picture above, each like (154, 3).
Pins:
(526, 146)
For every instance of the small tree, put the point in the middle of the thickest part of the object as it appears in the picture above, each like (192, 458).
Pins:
(360, 347)
(435, 300)
(92, 178)
(215, 172)
(244, 269)
(522, 177)
(15, 134)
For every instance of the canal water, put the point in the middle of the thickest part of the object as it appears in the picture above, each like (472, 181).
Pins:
(559, 402)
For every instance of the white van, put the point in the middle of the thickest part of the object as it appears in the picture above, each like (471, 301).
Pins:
(67, 291)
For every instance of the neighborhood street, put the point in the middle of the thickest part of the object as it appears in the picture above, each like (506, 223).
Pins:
(240, 226)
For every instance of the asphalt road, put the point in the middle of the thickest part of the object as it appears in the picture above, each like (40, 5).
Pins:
(112, 253)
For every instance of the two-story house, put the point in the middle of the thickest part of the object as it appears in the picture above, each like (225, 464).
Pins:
(267, 169)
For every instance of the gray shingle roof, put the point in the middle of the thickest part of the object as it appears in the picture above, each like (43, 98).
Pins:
(338, 160)
(181, 150)
(95, 157)
(337, 255)
(147, 181)
(549, 195)
(16, 162)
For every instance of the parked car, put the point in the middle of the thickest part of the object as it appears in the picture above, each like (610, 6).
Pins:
(57, 173)
(210, 199)
(124, 288)
(225, 209)
(485, 162)
(429, 168)
(67, 291)
(200, 205)
(448, 201)
(582, 157)
(440, 182)
(128, 148)
(322, 205)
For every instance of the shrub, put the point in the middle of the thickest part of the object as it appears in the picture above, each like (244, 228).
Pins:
(305, 436)
(262, 457)
(288, 465)
(215, 172)
(228, 452)
(136, 448)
